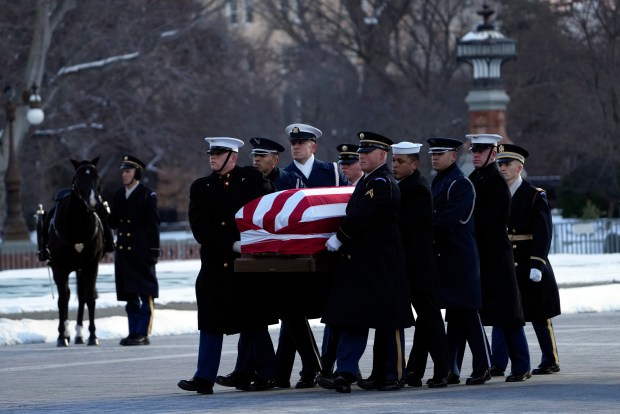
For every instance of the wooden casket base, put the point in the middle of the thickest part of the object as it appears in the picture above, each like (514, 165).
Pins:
(277, 262)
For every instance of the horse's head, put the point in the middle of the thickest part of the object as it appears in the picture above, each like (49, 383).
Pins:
(86, 182)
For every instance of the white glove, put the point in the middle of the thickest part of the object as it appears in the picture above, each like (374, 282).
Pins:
(333, 244)
(535, 275)
(237, 246)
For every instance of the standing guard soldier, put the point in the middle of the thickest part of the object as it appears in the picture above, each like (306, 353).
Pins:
(501, 300)
(530, 231)
(370, 288)
(222, 306)
(136, 218)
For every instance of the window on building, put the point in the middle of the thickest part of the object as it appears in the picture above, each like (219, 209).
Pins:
(232, 11)
(249, 11)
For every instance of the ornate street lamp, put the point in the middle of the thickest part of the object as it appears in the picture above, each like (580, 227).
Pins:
(15, 228)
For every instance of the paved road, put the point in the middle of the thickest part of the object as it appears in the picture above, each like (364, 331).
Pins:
(110, 378)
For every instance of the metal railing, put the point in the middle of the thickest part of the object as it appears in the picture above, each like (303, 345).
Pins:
(586, 236)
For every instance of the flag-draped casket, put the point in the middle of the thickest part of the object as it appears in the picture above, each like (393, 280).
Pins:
(284, 234)
(292, 222)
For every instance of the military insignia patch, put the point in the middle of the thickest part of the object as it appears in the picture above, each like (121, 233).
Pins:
(370, 193)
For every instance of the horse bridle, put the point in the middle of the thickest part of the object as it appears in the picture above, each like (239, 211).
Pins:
(76, 189)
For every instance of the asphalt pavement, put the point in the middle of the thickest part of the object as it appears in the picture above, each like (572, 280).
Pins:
(111, 378)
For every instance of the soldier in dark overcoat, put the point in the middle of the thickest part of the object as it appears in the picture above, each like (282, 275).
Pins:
(370, 288)
(222, 296)
(501, 300)
(530, 231)
(416, 231)
(290, 297)
(456, 253)
(135, 217)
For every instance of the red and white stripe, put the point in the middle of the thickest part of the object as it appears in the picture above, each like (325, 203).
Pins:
(296, 221)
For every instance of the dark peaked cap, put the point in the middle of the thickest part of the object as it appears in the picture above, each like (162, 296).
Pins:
(129, 161)
(438, 145)
(348, 153)
(265, 146)
(370, 141)
(509, 152)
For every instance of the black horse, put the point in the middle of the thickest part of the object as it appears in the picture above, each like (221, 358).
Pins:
(71, 239)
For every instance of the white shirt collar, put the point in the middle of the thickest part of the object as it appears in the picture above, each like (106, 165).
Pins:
(129, 191)
(515, 186)
(306, 168)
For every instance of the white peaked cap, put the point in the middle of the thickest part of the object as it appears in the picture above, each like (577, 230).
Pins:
(224, 143)
(488, 139)
(308, 129)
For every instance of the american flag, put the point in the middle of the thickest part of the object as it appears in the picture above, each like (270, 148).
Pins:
(297, 221)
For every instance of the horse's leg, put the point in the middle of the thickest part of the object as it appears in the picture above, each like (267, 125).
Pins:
(62, 284)
(89, 295)
(79, 338)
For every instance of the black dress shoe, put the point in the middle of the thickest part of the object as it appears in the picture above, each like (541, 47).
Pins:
(496, 371)
(387, 386)
(137, 340)
(200, 385)
(325, 381)
(342, 384)
(123, 341)
(262, 385)
(518, 377)
(453, 379)
(437, 382)
(369, 383)
(282, 384)
(413, 380)
(546, 369)
(234, 379)
(306, 381)
(478, 377)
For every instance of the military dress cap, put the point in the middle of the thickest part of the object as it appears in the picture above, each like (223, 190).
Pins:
(406, 147)
(129, 161)
(265, 146)
(482, 141)
(303, 131)
(348, 154)
(439, 145)
(370, 141)
(223, 144)
(510, 152)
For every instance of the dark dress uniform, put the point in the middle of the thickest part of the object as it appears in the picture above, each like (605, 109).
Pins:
(501, 300)
(323, 174)
(214, 200)
(136, 220)
(285, 180)
(530, 232)
(227, 301)
(416, 230)
(459, 267)
(370, 288)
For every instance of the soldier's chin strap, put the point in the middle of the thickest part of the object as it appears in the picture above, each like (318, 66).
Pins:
(488, 158)
(225, 162)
